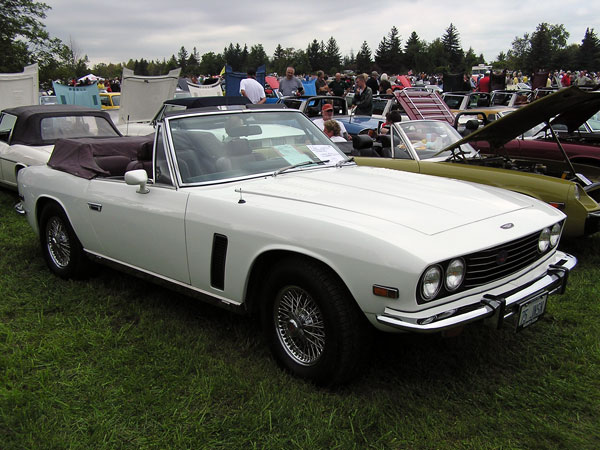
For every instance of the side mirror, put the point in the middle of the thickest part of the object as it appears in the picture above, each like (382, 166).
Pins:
(137, 177)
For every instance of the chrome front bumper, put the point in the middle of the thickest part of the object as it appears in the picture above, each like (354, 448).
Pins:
(495, 309)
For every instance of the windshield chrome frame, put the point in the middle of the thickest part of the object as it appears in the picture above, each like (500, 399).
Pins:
(170, 149)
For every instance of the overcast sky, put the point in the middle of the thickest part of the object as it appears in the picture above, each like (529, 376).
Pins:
(118, 30)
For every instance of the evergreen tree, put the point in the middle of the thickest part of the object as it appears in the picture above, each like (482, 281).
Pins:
(257, 57)
(316, 56)
(388, 56)
(182, 58)
(193, 63)
(279, 63)
(414, 53)
(332, 56)
(349, 62)
(454, 52)
(363, 59)
(589, 51)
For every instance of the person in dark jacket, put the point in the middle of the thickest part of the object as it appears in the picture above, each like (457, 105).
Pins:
(363, 97)
(372, 82)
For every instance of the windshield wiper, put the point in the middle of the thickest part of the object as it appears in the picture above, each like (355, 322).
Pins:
(344, 161)
(300, 164)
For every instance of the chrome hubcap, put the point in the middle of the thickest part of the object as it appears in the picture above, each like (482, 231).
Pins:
(299, 325)
(58, 243)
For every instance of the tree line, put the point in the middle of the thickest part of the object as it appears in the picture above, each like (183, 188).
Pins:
(24, 40)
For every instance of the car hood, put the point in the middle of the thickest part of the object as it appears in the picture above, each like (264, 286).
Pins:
(423, 203)
(572, 106)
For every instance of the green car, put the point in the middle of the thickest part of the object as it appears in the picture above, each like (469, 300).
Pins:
(421, 146)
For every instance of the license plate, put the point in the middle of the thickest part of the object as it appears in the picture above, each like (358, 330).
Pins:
(531, 311)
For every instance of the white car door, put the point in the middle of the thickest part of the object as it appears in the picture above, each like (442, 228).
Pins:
(146, 231)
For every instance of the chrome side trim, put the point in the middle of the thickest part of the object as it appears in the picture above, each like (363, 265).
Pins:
(172, 284)
(553, 281)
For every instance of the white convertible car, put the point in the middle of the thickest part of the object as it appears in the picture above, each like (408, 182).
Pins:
(28, 134)
(254, 208)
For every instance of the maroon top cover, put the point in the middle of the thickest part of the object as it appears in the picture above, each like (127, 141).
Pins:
(81, 157)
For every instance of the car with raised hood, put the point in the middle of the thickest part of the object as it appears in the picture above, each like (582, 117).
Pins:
(568, 138)
(435, 148)
(253, 208)
(28, 134)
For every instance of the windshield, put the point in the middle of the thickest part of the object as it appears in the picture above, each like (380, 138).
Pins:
(230, 145)
(428, 137)
(594, 122)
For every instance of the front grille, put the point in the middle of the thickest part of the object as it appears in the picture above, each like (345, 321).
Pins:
(487, 266)
(497, 262)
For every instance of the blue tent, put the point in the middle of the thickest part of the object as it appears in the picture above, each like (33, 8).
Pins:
(309, 87)
(77, 95)
(233, 79)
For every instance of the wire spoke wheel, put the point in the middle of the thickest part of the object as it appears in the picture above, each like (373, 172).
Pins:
(299, 325)
(58, 242)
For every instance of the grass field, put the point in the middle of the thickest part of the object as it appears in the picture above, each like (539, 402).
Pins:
(115, 362)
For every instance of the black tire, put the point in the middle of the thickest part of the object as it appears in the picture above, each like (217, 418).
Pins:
(61, 248)
(313, 326)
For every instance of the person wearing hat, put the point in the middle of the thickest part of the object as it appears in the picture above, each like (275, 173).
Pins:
(327, 114)
(373, 83)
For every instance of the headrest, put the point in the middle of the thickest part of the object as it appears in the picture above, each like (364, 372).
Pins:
(144, 153)
(385, 139)
(238, 147)
(361, 141)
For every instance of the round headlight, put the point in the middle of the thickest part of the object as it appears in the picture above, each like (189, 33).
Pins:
(455, 274)
(544, 240)
(555, 234)
(432, 282)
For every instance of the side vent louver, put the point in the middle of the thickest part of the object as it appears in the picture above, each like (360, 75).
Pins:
(217, 265)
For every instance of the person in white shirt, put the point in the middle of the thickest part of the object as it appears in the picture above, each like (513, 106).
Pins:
(327, 114)
(252, 89)
(332, 129)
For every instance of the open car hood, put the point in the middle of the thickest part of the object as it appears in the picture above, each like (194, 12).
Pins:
(570, 107)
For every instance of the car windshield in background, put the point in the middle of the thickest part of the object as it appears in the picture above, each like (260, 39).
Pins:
(68, 127)
(224, 146)
(428, 137)
(594, 122)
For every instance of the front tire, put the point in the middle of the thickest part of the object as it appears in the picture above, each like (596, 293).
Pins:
(61, 248)
(312, 324)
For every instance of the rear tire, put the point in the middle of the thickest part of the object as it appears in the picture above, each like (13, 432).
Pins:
(312, 324)
(61, 248)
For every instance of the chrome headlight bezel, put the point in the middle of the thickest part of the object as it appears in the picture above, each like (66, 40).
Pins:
(455, 274)
(431, 282)
(544, 240)
(555, 233)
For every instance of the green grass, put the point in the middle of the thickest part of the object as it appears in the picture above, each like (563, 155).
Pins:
(115, 362)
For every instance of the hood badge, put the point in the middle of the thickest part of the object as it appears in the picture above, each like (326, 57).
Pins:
(507, 226)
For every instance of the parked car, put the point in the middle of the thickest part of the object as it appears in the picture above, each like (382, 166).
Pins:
(28, 133)
(254, 209)
(312, 105)
(421, 146)
(110, 100)
(529, 138)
